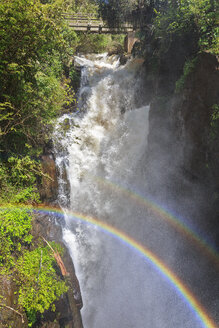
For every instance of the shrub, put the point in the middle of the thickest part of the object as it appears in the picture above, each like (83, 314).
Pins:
(35, 272)
(15, 226)
(188, 68)
(18, 178)
(39, 283)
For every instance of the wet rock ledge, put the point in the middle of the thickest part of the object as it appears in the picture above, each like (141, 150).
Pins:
(48, 188)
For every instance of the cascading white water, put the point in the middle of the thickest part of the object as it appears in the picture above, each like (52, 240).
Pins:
(97, 149)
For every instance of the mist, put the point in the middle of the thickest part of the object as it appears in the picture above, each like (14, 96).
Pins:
(116, 166)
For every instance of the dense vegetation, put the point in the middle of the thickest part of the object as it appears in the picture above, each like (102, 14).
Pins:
(167, 19)
(37, 83)
(35, 45)
(33, 48)
(32, 265)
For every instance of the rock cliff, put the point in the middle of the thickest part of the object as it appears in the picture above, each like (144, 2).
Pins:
(183, 142)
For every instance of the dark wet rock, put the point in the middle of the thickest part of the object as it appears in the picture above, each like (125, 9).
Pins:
(195, 106)
(180, 145)
(8, 317)
(115, 49)
(52, 325)
(124, 58)
(49, 185)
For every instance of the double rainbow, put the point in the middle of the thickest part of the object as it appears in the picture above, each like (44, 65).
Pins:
(193, 303)
(163, 214)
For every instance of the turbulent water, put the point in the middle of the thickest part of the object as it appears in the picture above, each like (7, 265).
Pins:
(100, 153)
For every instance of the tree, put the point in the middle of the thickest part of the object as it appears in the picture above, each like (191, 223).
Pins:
(197, 18)
(137, 12)
(33, 46)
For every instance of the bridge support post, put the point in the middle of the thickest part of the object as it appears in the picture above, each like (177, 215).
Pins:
(129, 41)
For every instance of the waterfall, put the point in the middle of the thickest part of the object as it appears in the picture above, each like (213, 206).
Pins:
(100, 154)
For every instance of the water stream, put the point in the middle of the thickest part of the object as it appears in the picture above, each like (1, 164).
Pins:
(100, 154)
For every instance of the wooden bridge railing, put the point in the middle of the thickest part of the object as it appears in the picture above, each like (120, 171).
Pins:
(93, 24)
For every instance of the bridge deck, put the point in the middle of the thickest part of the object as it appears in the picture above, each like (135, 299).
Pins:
(93, 24)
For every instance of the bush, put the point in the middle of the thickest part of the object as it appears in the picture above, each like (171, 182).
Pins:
(97, 43)
(188, 68)
(18, 177)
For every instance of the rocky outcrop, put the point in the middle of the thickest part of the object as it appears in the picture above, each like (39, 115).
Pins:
(195, 107)
(193, 110)
(182, 156)
(48, 187)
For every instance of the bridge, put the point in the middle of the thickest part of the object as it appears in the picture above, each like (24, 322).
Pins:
(92, 24)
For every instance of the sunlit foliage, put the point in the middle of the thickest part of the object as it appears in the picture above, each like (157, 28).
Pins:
(34, 271)
(15, 226)
(197, 17)
(33, 47)
(39, 284)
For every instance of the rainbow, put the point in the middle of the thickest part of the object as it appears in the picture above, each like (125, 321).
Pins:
(163, 214)
(198, 309)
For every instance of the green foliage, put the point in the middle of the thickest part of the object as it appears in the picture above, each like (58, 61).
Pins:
(15, 226)
(34, 44)
(188, 68)
(74, 76)
(205, 14)
(26, 195)
(36, 271)
(92, 43)
(195, 17)
(35, 50)
(81, 6)
(18, 177)
(97, 43)
(117, 11)
(23, 170)
(39, 284)
(86, 6)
